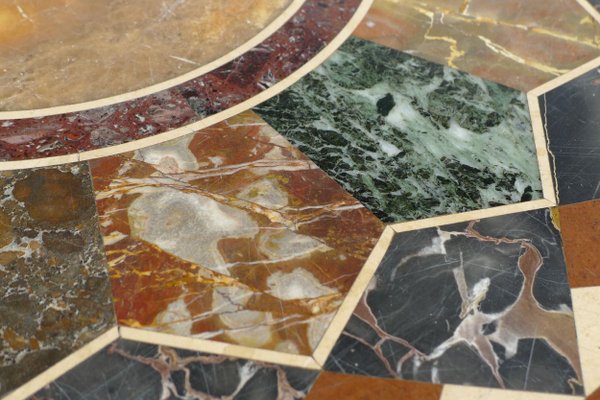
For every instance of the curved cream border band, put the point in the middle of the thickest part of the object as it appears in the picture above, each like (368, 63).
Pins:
(273, 27)
(327, 51)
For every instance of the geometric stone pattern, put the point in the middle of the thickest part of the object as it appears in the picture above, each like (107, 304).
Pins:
(250, 258)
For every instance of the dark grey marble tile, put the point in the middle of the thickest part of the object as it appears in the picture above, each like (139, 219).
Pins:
(484, 303)
(130, 370)
(410, 138)
(571, 115)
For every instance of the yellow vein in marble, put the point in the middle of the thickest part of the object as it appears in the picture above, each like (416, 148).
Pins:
(470, 19)
(180, 182)
(498, 49)
(453, 44)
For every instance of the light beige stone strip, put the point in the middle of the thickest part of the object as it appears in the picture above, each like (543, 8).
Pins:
(471, 215)
(63, 366)
(213, 347)
(456, 392)
(333, 332)
(586, 306)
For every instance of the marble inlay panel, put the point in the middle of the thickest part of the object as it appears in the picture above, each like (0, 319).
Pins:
(55, 293)
(580, 225)
(572, 122)
(295, 44)
(230, 234)
(586, 304)
(519, 43)
(483, 303)
(410, 138)
(133, 370)
(351, 387)
(57, 52)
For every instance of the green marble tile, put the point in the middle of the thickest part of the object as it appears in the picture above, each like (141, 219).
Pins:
(409, 138)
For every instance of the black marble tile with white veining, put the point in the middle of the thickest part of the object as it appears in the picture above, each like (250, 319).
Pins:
(128, 370)
(571, 116)
(482, 303)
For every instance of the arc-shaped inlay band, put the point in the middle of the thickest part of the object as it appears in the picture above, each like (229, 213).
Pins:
(304, 41)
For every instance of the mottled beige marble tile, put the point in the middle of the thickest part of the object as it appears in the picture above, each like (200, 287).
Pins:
(57, 52)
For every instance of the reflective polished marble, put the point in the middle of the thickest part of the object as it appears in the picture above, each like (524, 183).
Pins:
(387, 199)
(60, 52)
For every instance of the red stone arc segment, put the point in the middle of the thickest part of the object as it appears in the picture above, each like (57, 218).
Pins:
(314, 26)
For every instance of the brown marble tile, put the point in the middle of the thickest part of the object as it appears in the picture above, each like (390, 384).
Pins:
(55, 293)
(594, 396)
(350, 387)
(580, 226)
(519, 43)
(230, 234)
(58, 52)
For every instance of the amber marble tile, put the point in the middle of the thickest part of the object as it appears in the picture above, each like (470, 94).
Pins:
(580, 225)
(519, 43)
(230, 234)
(349, 387)
(57, 52)
(55, 293)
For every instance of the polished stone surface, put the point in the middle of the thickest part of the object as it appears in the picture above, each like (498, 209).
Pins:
(408, 138)
(580, 226)
(521, 44)
(572, 123)
(59, 52)
(342, 386)
(314, 26)
(55, 294)
(230, 234)
(133, 370)
(233, 244)
(483, 303)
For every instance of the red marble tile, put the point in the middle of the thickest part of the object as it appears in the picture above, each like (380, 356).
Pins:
(352, 387)
(580, 226)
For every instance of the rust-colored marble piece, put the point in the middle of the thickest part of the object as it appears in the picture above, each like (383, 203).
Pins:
(296, 43)
(519, 43)
(580, 225)
(594, 396)
(230, 234)
(57, 52)
(55, 293)
(350, 387)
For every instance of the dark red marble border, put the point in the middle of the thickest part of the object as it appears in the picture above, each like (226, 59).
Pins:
(297, 42)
